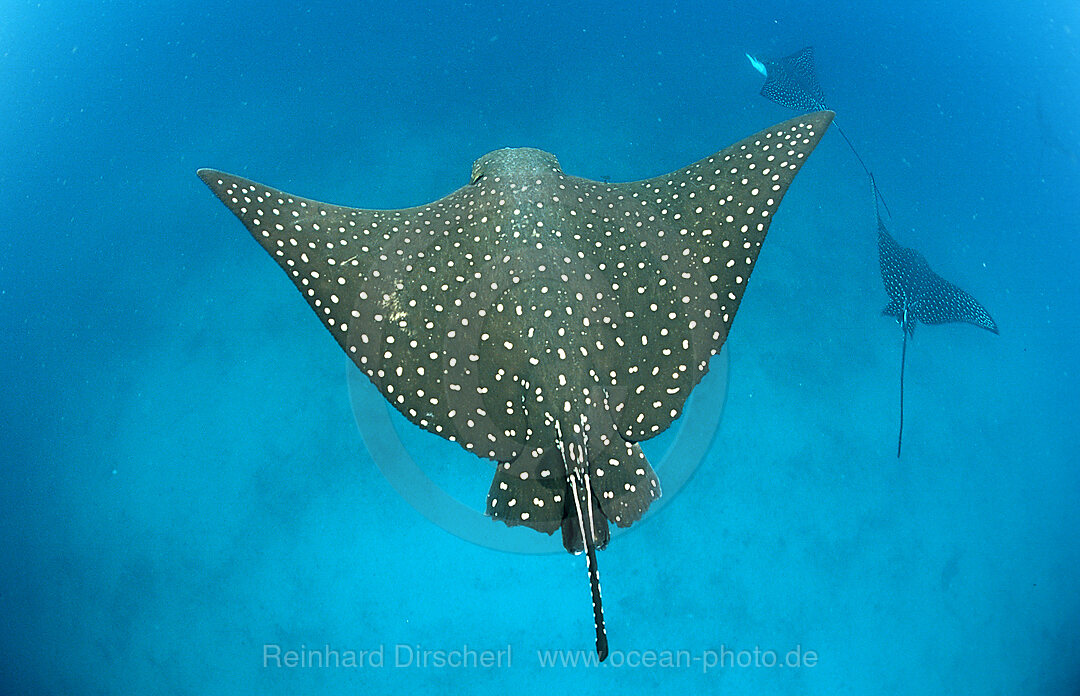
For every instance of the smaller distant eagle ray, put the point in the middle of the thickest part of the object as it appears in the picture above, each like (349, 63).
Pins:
(1050, 138)
(546, 322)
(792, 83)
(919, 294)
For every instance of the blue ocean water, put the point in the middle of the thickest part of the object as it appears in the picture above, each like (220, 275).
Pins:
(187, 486)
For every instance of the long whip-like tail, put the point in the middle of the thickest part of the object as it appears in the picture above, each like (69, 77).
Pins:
(598, 608)
(903, 323)
(903, 358)
(594, 571)
(877, 191)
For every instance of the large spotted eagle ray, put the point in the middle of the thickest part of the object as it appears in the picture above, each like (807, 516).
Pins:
(918, 294)
(792, 83)
(544, 321)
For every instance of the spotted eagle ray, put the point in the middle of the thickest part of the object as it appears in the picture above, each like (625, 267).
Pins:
(792, 83)
(919, 294)
(1049, 136)
(547, 322)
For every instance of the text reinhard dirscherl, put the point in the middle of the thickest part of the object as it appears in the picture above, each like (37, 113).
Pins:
(415, 656)
(400, 655)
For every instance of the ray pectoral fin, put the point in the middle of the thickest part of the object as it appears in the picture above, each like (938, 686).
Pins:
(947, 303)
(702, 230)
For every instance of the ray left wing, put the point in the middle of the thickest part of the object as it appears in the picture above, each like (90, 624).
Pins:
(398, 290)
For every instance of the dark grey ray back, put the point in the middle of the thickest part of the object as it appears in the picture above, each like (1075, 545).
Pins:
(791, 82)
(542, 320)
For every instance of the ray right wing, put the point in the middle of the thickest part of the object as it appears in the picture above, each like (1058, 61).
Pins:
(681, 250)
